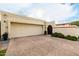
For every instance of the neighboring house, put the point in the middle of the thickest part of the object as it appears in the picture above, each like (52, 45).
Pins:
(65, 25)
(19, 26)
(67, 29)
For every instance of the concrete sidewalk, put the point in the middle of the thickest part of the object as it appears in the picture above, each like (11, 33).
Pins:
(4, 44)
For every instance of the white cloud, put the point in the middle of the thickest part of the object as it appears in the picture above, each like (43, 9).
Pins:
(37, 13)
(14, 8)
(22, 6)
(25, 5)
(48, 12)
(61, 11)
(55, 12)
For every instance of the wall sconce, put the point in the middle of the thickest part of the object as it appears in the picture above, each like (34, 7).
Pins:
(5, 16)
(4, 21)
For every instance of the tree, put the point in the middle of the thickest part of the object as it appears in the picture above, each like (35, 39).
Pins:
(75, 23)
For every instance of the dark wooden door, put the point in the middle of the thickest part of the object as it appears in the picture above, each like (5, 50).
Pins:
(49, 29)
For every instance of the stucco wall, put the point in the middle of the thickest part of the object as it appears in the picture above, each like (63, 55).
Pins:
(67, 31)
(21, 19)
(4, 24)
(0, 16)
(8, 18)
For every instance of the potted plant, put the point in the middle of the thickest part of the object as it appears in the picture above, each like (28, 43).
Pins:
(5, 36)
(45, 32)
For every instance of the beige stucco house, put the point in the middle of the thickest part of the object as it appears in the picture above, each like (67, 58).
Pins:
(19, 26)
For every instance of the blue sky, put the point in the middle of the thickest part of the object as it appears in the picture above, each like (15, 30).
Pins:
(60, 13)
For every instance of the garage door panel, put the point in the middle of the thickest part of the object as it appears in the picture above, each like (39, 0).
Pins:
(19, 30)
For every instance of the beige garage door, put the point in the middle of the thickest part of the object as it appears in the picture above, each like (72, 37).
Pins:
(20, 30)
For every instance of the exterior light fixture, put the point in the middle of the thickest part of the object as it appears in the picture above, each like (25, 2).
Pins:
(5, 16)
(4, 21)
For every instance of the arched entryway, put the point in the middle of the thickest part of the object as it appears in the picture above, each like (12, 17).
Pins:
(49, 29)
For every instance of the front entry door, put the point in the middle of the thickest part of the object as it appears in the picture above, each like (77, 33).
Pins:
(49, 29)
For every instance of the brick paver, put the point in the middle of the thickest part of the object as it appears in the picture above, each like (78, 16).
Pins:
(42, 46)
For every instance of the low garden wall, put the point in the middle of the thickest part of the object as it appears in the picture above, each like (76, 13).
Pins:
(74, 31)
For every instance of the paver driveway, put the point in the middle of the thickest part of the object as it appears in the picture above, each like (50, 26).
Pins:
(42, 46)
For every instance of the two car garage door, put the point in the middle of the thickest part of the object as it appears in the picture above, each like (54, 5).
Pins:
(20, 30)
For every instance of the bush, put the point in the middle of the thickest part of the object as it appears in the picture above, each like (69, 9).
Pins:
(45, 32)
(60, 35)
(5, 36)
(73, 38)
(69, 37)
(2, 52)
(78, 37)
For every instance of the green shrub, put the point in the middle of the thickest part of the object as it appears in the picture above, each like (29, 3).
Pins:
(73, 38)
(60, 35)
(69, 37)
(55, 34)
(78, 37)
(2, 52)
